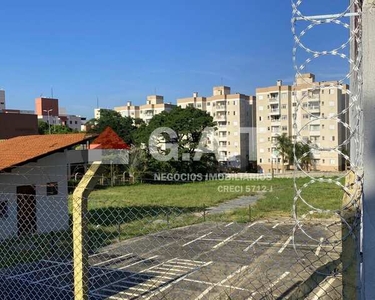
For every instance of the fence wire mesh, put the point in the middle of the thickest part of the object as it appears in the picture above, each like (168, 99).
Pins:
(155, 247)
(124, 242)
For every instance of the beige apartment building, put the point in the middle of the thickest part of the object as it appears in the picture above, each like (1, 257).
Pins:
(154, 105)
(275, 113)
(235, 118)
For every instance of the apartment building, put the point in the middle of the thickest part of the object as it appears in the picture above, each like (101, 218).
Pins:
(128, 110)
(235, 118)
(154, 105)
(275, 115)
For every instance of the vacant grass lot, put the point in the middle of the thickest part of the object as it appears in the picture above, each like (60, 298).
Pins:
(129, 211)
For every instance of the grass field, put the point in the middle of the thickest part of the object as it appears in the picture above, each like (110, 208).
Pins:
(135, 210)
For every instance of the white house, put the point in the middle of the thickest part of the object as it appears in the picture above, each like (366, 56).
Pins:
(34, 183)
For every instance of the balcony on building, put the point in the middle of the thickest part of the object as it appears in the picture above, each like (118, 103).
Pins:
(274, 109)
(276, 120)
(275, 130)
(222, 125)
(314, 106)
(274, 97)
(220, 116)
(314, 95)
(314, 130)
(221, 106)
(222, 136)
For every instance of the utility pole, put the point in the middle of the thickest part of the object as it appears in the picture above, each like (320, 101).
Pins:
(49, 122)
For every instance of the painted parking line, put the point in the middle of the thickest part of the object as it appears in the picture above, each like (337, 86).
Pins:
(97, 254)
(197, 239)
(323, 290)
(112, 259)
(37, 270)
(227, 240)
(285, 245)
(216, 284)
(229, 224)
(247, 248)
(206, 291)
(274, 226)
(252, 224)
(271, 286)
(319, 247)
(162, 289)
(138, 262)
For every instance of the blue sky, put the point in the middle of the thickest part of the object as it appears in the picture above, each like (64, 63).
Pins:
(125, 50)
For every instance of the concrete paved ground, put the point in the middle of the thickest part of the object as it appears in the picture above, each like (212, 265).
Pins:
(204, 261)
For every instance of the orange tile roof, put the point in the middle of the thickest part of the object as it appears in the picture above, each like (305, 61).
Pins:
(22, 149)
(109, 139)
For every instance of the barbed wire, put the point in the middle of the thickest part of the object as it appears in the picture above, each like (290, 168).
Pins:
(353, 130)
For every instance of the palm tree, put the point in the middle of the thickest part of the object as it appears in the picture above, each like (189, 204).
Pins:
(284, 145)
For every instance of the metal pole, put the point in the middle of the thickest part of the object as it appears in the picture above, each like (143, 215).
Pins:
(80, 231)
(368, 66)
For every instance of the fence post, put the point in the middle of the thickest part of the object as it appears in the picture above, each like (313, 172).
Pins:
(368, 65)
(350, 255)
(80, 231)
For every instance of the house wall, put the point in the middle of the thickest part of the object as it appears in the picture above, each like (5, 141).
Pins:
(51, 211)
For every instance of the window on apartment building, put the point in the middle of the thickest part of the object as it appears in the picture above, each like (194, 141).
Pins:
(331, 91)
(284, 117)
(322, 115)
(332, 161)
(75, 122)
(284, 95)
(228, 112)
(322, 91)
(228, 143)
(260, 118)
(294, 116)
(269, 139)
(228, 132)
(234, 113)
(324, 161)
(213, 104)
(323, 138)
(284, 128)
(333, 138)
(305, 116)
(283, 106)
(260, 97)
(208, 104)
(268, 117)
(52, 188)
(234, 102)
(322, 126)
(294, 104)
(70, 122)
(332, 127)
(304, 105)
(322, 103)
(268, 128)
(331, 103)
(3, 209)
(260, 160)
(228, 122)
(269, 149)
(199, 105)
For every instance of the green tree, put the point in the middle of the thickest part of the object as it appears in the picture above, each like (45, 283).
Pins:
(284, 145)
(188, 124)
(44, 128)
(123, 126)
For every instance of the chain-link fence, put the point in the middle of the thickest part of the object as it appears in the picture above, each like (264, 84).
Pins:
(157, 241)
